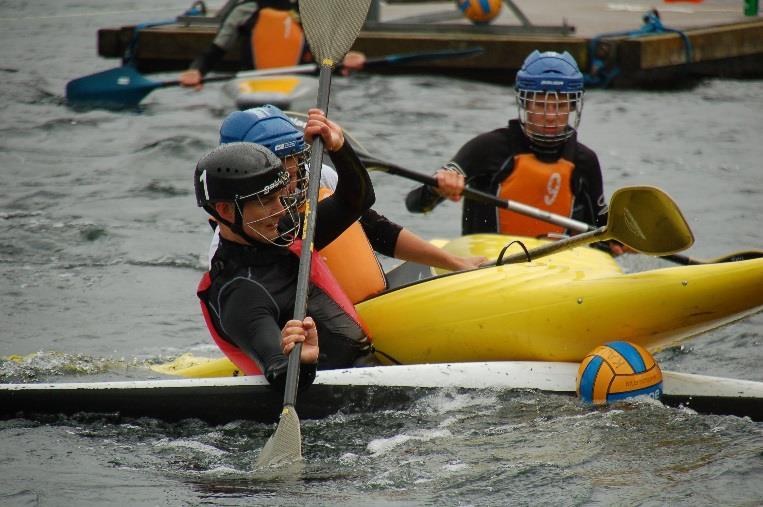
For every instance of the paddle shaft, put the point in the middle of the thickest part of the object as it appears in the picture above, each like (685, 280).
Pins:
(482, 197)
(125, 86)
(524, 209)
(370, 63)
(308, 235)
(585, 238)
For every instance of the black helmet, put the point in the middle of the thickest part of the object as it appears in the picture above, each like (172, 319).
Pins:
(237, 172)
(241, 172)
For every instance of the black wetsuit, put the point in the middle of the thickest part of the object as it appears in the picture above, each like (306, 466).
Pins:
(381, 232)
(488, 159)
(253, 287)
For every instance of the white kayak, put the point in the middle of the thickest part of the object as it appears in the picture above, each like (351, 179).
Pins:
(293, 91)
(218, 400)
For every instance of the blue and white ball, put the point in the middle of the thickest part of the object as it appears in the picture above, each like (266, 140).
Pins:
(616, 371)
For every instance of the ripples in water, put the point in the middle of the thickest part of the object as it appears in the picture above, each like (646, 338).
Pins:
(40, 365)
(482, 447)
(160, 188)
(175, 146)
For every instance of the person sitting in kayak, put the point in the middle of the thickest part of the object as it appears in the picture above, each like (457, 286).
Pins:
(268, 34)
(536, 160)
(360, 273)
(248, 295)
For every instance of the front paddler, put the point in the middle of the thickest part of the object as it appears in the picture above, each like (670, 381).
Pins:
(248, 295)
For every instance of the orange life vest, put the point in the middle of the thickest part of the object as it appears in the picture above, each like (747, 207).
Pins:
(277, 39)
(353, 263)
(320, 275)
(538, 184)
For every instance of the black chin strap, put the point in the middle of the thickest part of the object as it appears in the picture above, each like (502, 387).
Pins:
(237, 227)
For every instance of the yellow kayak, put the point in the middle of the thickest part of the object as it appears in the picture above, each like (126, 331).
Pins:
(555, 308)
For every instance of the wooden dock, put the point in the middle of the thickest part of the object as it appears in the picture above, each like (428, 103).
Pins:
(708, 39)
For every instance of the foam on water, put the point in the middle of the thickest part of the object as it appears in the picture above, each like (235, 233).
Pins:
(382, 446)
(191, 445)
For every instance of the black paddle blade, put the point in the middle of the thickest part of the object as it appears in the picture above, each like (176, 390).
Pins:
(114, 88)
(745, 255)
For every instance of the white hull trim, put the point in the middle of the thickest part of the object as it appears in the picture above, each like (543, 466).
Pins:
(251, 397)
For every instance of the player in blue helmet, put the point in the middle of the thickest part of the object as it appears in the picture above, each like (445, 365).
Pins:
(549, 96)
(536, 159)
(270, 127)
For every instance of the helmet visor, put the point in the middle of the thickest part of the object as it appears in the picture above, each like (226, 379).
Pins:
(296, 165)
(271, 214)
(549, 117)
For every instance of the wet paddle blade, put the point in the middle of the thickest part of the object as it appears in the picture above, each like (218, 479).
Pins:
(647, 220)
(285, 445)
(119, 87)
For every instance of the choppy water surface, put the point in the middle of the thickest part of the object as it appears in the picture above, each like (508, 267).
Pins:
(103, 245)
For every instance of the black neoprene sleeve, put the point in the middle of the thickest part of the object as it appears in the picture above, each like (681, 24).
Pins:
(354, 195)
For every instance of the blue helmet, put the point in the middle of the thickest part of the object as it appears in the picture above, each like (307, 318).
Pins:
(549, 93)
(270, 127)
(267, 126)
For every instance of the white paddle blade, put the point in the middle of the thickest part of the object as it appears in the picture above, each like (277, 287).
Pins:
(285, 445)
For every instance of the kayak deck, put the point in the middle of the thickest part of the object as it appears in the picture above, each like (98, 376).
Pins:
(555, 308)
(287, 91)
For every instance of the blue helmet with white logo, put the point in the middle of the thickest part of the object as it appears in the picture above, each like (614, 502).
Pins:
(270, 127)
(267, 126)
(549, 95)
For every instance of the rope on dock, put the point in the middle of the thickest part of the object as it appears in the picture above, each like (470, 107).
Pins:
(600, 74)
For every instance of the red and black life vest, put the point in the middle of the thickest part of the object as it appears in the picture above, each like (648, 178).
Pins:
(320, 276)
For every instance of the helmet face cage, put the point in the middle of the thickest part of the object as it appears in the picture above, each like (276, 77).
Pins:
(286, 212)
(549, 117)
(297, 165)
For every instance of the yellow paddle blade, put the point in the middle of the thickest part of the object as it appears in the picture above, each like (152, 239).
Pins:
(648, 220)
